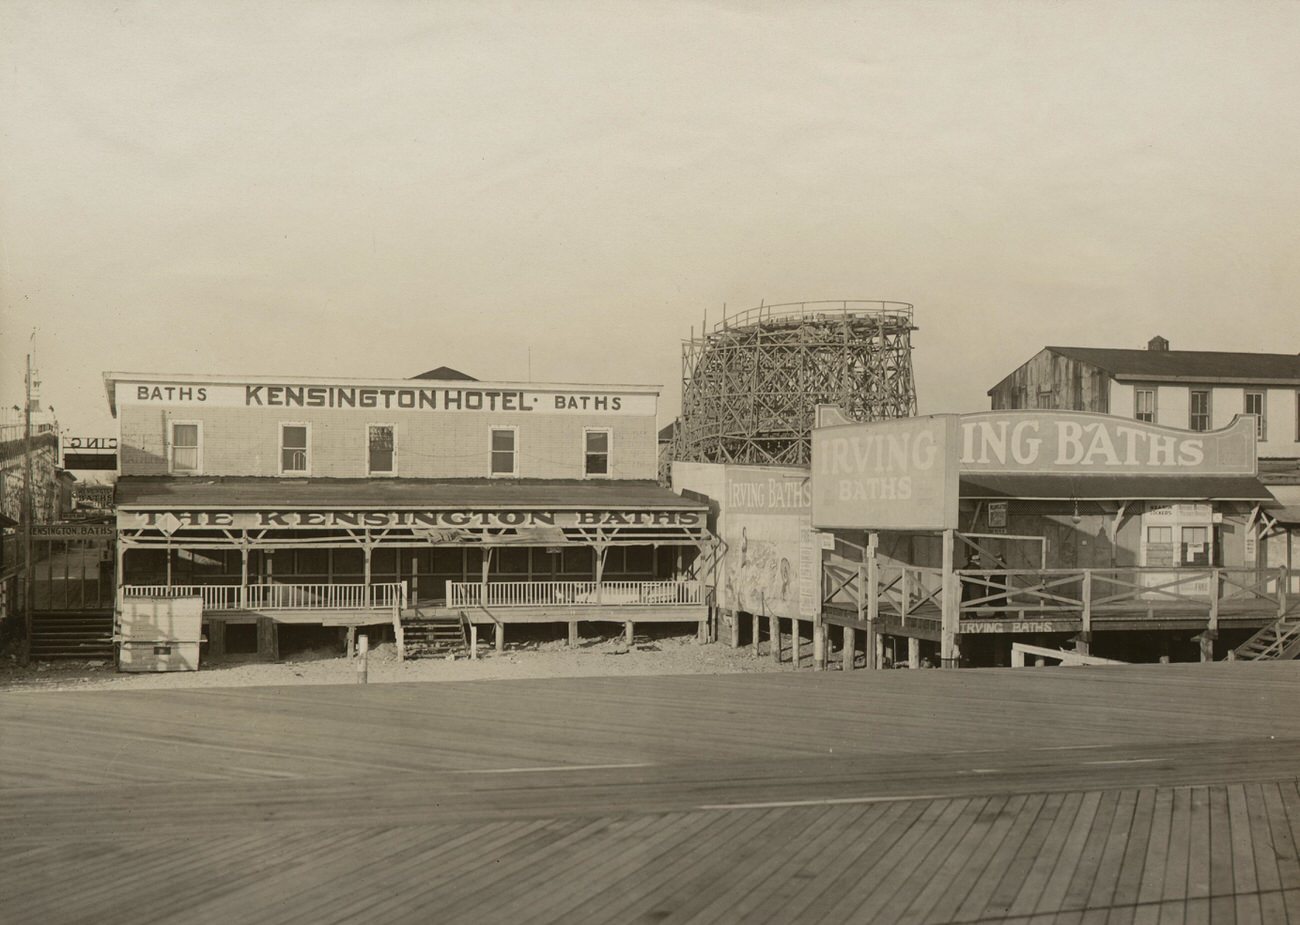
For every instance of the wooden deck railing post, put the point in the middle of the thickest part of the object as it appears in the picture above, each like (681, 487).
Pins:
(1211, 633)
(949, 655)
(1084, 643)
(872, 591)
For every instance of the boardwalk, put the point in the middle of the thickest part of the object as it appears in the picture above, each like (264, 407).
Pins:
(1158, 794)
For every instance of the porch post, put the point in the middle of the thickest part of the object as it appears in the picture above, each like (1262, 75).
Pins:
(119, 579)
(243, 572)
(949, 653)
(1084, 642)
(1211, 633)
(366, 550)
(169, 561)
(598, 557)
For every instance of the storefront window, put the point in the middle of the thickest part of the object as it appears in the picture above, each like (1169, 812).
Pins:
(1195, 546)
(294, 449)
(596, 460)
(1255, 406)
(185, 447)
(1144, 404)
(503, 451)
(1200, 410)
(381, 458)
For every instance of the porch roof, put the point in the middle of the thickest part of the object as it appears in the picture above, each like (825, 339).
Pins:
(234, 492)
(1114, 487)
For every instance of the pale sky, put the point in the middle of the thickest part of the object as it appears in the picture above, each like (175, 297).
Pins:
(374, 188)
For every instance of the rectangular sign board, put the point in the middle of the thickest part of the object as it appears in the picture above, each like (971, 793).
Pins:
(886, 475)
(1084, 443)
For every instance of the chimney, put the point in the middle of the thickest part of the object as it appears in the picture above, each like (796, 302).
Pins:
(1157, 343)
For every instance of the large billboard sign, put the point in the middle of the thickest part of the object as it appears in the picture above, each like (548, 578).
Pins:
(886, 475)
(1082, 443)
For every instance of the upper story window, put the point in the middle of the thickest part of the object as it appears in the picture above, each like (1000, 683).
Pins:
(1255, 406)
(295, 448)
(1199, 410)
(596, 451)
(1144, 405)
(381, 449)
(186, 447)
(504, 440)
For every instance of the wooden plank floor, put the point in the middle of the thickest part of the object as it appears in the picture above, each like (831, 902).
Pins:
(1154, 794)
(1025, 858)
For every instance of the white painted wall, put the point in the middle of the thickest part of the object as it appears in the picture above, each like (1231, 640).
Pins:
(1172, 405)
(1226, 402)
(1120, 401)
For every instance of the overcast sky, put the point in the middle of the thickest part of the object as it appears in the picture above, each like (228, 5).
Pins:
(377, 188)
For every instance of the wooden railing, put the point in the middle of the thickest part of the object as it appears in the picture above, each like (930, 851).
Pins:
(315, 596)
(1046, 590)
(564, 593)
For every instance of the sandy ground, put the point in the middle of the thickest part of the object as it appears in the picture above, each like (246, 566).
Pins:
(552, 659)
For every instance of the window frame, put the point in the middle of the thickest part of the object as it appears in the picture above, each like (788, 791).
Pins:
(389, 473)
(1261, 419)
(609, 452)
(1155, 406)
(306, 470)
(513, 429)
(1191, 410)
(171, 447)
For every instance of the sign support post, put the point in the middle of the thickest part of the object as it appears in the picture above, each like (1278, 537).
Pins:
(872, 592)
(949, 654)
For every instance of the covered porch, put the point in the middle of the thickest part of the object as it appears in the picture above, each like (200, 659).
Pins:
(486, 554)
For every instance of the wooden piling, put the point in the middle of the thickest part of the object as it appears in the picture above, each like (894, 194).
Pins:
(849, 654)
(774, 634)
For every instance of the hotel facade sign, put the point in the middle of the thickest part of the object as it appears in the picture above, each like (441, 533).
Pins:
(386, 397)
(1082, 443)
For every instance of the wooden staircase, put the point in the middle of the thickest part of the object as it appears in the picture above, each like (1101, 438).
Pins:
(1278, 641)
(433, 632)
(72, 634)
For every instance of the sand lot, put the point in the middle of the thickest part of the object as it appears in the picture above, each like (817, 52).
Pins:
(593, 657)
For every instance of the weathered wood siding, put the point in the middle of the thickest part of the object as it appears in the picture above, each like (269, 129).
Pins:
(1050, 380)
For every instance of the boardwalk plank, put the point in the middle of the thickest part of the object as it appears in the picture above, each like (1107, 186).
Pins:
(1036, 878)
(853, 854)
(1013, 880)
(926, 882)
(1054, 892)
(981, 892)
(1085, 874)
(973, 852)
(1156, 861)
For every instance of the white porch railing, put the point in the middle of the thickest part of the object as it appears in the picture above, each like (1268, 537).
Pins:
(562, 593)
(319, 596)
